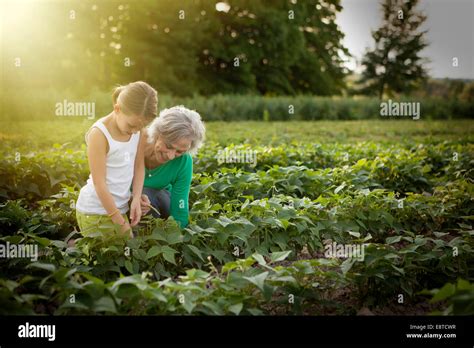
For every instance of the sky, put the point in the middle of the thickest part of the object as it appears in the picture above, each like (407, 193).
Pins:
(450, 33)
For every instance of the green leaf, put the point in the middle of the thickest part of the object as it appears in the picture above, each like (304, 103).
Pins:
(105, 304)
(339, 188)
(440, 234)
(110, 248)
(133, 279)
(361, 224)
(255, 311)
(285, 279)
(446, 291)
(465, 226)
(258, 280)
(285, 223)
(174, 238)
(43, 241)
(219, 254)
(410, 249)
(196, 274)
(213, 307)
(229, 266)
(347, 265)
(260, 259)
(355, 234)
(392, 240)
(59, 244)
(93, 279)
(188, 305)
(46, 266)
(136, 266)
(196, 251)
(464, 285)
(157, 294)
(127, 291)
(388, 217)
(236, 308)
(63, 273)
(128, 266)
(168, 254)
(279, 256)
(140, 254)
(400, 270)
(9, 284)
(158, 235)
(153, 251)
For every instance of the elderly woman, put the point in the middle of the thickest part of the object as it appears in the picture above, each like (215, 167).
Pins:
(172, 138)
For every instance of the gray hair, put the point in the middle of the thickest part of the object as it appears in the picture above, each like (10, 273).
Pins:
(177, 123)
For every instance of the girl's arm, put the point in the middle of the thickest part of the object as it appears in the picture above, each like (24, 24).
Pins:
(138, 179)
(97, 154)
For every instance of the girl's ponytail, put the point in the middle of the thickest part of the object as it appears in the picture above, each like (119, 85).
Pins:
(116, 93)
(137, 99)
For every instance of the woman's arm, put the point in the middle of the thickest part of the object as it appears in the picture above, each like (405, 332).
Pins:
(97, 154)
(179, 208)
(138, 178)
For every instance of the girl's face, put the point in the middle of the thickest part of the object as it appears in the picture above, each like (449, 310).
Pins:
(126, 124)
(165, 151)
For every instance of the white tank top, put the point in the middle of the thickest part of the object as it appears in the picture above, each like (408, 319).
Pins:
(120, 162)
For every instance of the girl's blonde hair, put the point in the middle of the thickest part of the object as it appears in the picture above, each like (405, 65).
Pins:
(137, 99)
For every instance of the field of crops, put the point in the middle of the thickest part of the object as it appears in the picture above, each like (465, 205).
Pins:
(265, 235)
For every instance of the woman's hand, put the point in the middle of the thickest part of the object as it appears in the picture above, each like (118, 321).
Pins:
(135, 211)
(145, 204)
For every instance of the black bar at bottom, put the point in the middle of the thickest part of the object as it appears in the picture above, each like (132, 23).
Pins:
(81, 330)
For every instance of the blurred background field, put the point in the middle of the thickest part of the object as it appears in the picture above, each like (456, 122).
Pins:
(230, 60)
(41, 135)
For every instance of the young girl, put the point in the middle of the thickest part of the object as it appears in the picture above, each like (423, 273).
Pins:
(115, 149)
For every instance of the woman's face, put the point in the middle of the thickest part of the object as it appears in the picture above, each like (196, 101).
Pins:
(165, 151)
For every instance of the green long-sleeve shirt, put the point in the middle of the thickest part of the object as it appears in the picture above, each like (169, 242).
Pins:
(175, 176)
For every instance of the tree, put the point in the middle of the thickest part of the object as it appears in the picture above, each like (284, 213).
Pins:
(274, 47)
(395, 65)
(162, 39)
(320, 65)
(182, 48)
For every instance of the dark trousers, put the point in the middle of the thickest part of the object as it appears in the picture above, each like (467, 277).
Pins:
(160, 200)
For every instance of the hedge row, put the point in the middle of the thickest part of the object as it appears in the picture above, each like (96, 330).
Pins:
(42, 105)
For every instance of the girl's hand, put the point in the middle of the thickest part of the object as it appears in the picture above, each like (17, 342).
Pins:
(126, 229)
(145, 204)
(135, 211)
(119, 220)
